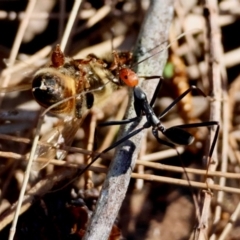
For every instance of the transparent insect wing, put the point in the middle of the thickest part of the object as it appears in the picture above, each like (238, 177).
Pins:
(83, 83)
(60, 136)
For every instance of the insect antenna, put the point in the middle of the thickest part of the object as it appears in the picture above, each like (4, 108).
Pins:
(196, 30)
(125, 74)
(176, 134)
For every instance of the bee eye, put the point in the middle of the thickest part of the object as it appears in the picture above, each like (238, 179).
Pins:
(47, 89)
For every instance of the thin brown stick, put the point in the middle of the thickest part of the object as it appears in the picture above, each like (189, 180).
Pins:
(111, 132)
(140, 168)
(225, 148)
(45, 185)
(99, 15)
(17, 42)
(160, 166)
(226, 231)
(214, 47)
(13, 56)
(70, 23)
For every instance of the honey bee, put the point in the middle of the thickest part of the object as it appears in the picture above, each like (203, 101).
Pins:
(68, 78)
(69, 88)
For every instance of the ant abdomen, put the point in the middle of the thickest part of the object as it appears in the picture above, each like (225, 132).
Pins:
(178, 136)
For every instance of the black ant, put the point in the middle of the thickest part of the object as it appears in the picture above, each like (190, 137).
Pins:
(176, 134)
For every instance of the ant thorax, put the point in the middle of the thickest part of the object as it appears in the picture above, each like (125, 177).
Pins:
(66, 77)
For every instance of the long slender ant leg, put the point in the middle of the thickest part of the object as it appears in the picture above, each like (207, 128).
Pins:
(126, 121)
(171, 145)
(81, 171)
(157, 88)
(179, 98)
(113, 146)
(122, 122)
(213, 144)
(162, 141)
(156, 91)
(204, 124)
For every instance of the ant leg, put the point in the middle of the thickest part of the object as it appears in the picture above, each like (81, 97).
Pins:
(171, 145)
(156, 91)
(136, 106)
(203, 124)
(213, 144)
(122, 122)
(162, 141)
(111, 147)
(179, 98)
(157, 88)
(124, 139)
(139, 97)
(80, 171)
(155, 132)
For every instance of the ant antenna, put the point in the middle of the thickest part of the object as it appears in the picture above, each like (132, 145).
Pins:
(176, 134)
(196, 30)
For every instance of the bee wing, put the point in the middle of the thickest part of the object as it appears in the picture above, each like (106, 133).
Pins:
(61, 135)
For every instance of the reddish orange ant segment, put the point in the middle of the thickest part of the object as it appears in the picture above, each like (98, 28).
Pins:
(57, 57)
(129, 77)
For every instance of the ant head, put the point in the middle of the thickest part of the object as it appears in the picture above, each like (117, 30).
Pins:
(128, 77)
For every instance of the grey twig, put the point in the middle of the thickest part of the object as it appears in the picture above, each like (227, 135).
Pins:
(154, 31)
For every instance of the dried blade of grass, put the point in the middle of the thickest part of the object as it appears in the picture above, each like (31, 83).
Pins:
(111, 132)
(160, 166)
(224, 144)
(25, 181)
(91, 135)
(213, 46)
(70, 23)
(227, 230)
(154, 31)
(98, 16)
(35, 142)
(39, 189)
(45, 185)
(61, 17)
(17, 42)
(181, 182)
